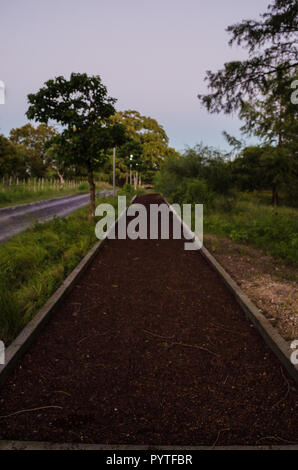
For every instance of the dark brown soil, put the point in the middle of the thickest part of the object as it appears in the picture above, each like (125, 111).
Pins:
(150, 348)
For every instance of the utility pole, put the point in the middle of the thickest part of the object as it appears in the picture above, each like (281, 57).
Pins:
(130, 172)
(114, 171)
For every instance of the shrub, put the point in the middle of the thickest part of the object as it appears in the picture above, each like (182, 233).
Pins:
(83, 186)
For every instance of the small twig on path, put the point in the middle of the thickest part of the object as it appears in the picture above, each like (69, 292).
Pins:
(177, 343)
(194, 346)
(288, 390)
(90, 336)
(62, 391)
(218, 436)
(158, 336)
(220, 327)
(31, 409)
(277, 438)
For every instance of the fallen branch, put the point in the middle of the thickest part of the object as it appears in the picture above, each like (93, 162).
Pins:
(31, 409)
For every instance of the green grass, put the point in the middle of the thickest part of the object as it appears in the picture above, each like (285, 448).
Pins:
(274, 230)
(34, 263)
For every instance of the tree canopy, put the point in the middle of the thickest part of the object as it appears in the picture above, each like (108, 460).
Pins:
(146, 140)
(30, 143)
(271, 43)
(82, 106)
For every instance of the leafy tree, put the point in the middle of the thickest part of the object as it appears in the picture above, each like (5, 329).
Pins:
(31, 143)
(200, 170)
(247, 169)
(11, 163)
(147, 141)
(82, 106)
(272, 46)
(259, 88)
(273, 118)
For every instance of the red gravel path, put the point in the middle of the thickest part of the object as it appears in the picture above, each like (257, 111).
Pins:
(150, 348)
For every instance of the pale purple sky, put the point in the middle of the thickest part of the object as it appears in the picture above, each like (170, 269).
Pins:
(151, 55)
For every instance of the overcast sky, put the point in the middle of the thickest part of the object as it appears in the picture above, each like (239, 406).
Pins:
(151, 54)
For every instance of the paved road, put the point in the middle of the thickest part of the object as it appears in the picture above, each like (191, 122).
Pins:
(17, 218)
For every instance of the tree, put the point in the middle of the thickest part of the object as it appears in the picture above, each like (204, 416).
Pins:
(247, 169)
(273, 118)
(200, 170)
(147, 141)
(11, 163)
(82, 106)
(259, 88)
(272, 46)
(31, 143)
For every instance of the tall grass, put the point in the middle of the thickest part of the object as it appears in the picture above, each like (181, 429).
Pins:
(274, 230)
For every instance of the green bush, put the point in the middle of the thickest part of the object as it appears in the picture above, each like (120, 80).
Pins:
(196, 191)
(127, 189)
(83, 186)
(4, 197)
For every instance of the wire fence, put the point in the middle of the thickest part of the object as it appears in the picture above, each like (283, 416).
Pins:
(38, 184)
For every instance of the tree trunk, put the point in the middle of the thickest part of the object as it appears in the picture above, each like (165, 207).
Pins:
(91, 214)
(61, 178)
(275, 198)
(60, 175)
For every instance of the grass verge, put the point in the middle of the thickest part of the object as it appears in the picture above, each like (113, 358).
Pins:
(274, 230)
(34, 263)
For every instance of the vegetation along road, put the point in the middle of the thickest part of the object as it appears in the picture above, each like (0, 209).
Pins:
(17, 218)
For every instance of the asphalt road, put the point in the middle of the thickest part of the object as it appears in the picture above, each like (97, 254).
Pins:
(15, 219)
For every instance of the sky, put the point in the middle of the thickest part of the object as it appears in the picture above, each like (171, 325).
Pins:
(151, 55)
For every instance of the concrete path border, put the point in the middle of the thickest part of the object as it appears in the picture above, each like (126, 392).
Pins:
(35, 445)
(270, 334)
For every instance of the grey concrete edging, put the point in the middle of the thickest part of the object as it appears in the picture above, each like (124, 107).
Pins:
(271, 336)
(23, 341)
(35, 445)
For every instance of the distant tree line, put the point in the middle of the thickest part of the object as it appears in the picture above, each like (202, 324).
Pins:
(201, 173)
